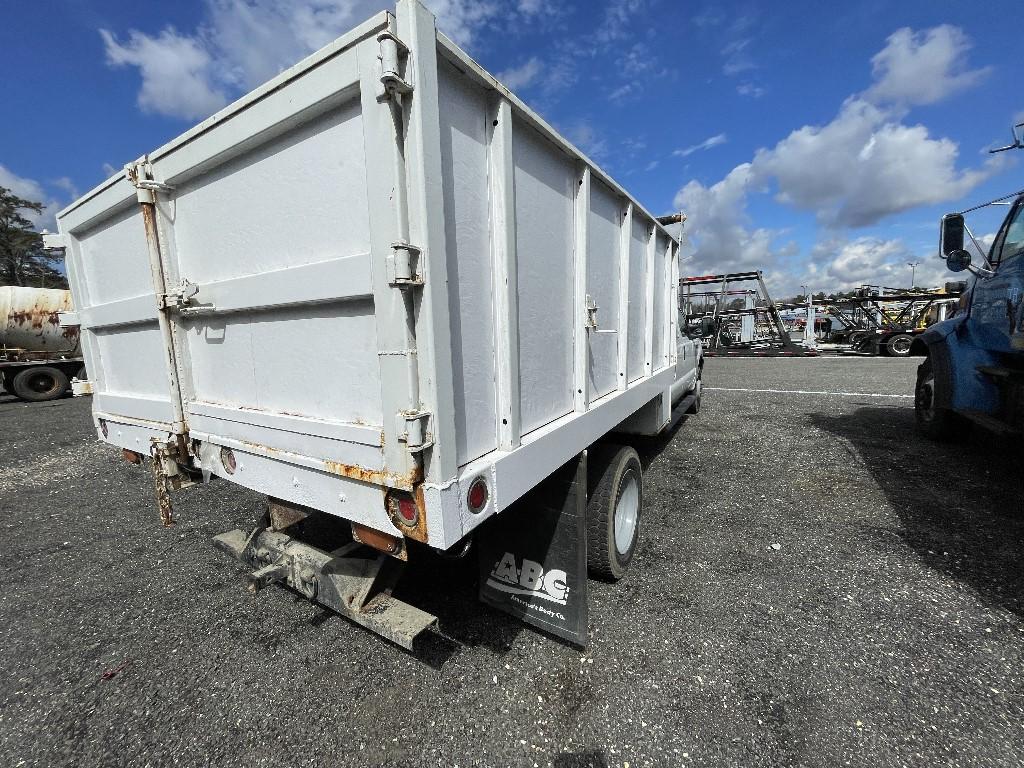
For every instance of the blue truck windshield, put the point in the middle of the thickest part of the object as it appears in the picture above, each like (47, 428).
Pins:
(1010, 242)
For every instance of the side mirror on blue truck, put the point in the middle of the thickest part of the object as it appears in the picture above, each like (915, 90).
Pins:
(952, 244)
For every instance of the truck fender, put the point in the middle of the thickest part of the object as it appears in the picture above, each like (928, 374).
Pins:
(936, 334)
(934, 344)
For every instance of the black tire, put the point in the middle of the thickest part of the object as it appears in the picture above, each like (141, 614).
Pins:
(82, 375)
(856, 338)
(697, 391)
(612, 469)
(933, 422)
(899, 345)
(39, 383)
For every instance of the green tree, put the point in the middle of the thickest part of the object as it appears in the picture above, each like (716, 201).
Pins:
(22, 258)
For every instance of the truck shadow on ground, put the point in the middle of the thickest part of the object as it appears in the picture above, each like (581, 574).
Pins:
(961, 503)
(649, 448)
(448, 589)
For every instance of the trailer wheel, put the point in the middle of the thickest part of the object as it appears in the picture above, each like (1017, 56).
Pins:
(932, 421)
(36, 384)
(614, 504)
(856, 338)
(899, 345)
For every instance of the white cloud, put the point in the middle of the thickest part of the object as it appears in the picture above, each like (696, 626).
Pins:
(839, 265)
(708, 143)
(523, 75)
(583, 135)
(178, 78)
(32, 190)
(737, 58)
(65, 183)
(739, 36)
(922, 67)
(750, 89)
(864, 165)
(242, 43)
(722, 239)
(709, 17)
(624, 91)
(615, 22)
(460, 19)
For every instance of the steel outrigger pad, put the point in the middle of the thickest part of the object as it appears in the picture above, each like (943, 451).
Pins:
(355, 581)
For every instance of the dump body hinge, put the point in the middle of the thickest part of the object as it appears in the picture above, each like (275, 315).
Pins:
(414, 430)
(403, 265)
(392, 51)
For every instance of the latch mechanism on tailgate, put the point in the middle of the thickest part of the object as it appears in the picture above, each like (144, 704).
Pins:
(182, 299)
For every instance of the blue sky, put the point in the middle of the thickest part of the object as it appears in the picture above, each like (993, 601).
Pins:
(817, 141)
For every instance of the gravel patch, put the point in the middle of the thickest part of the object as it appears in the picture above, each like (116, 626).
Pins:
(815, 585)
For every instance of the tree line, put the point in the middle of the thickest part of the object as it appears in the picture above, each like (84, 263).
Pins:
(22, 258)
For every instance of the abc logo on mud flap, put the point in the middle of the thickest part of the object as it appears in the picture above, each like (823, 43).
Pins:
(531, 579)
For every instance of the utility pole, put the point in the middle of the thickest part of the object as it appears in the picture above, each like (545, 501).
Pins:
(810, 338)
(913, 270)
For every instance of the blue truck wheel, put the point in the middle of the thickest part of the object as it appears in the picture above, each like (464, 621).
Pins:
(933, 421)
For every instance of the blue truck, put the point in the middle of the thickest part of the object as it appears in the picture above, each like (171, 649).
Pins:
(973, 368)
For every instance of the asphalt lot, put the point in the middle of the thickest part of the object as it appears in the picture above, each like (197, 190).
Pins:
(887, 628)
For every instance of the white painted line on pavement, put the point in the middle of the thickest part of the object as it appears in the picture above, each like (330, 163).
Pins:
(802, 392)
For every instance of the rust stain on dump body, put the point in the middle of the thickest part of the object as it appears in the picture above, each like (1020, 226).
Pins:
(354, 471)
(410, 484)
(375, 476)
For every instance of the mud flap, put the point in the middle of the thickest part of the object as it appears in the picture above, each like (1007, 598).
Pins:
(533, 556)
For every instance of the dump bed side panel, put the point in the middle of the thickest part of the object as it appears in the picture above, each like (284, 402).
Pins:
(603, 287)
(545, 182)
(638, 300)
(471, 307)
(581, 297)
(662, 289)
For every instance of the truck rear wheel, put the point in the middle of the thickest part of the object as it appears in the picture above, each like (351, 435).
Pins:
(614, 504)
(38, 383)
(698, 387)
(933, 421)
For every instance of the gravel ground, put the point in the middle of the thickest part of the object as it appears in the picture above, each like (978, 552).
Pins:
(885, 628)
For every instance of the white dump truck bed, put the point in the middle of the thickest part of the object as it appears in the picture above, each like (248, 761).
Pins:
(379, 274)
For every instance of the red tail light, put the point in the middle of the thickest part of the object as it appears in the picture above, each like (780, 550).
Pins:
(477, 496)
(407, 510)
